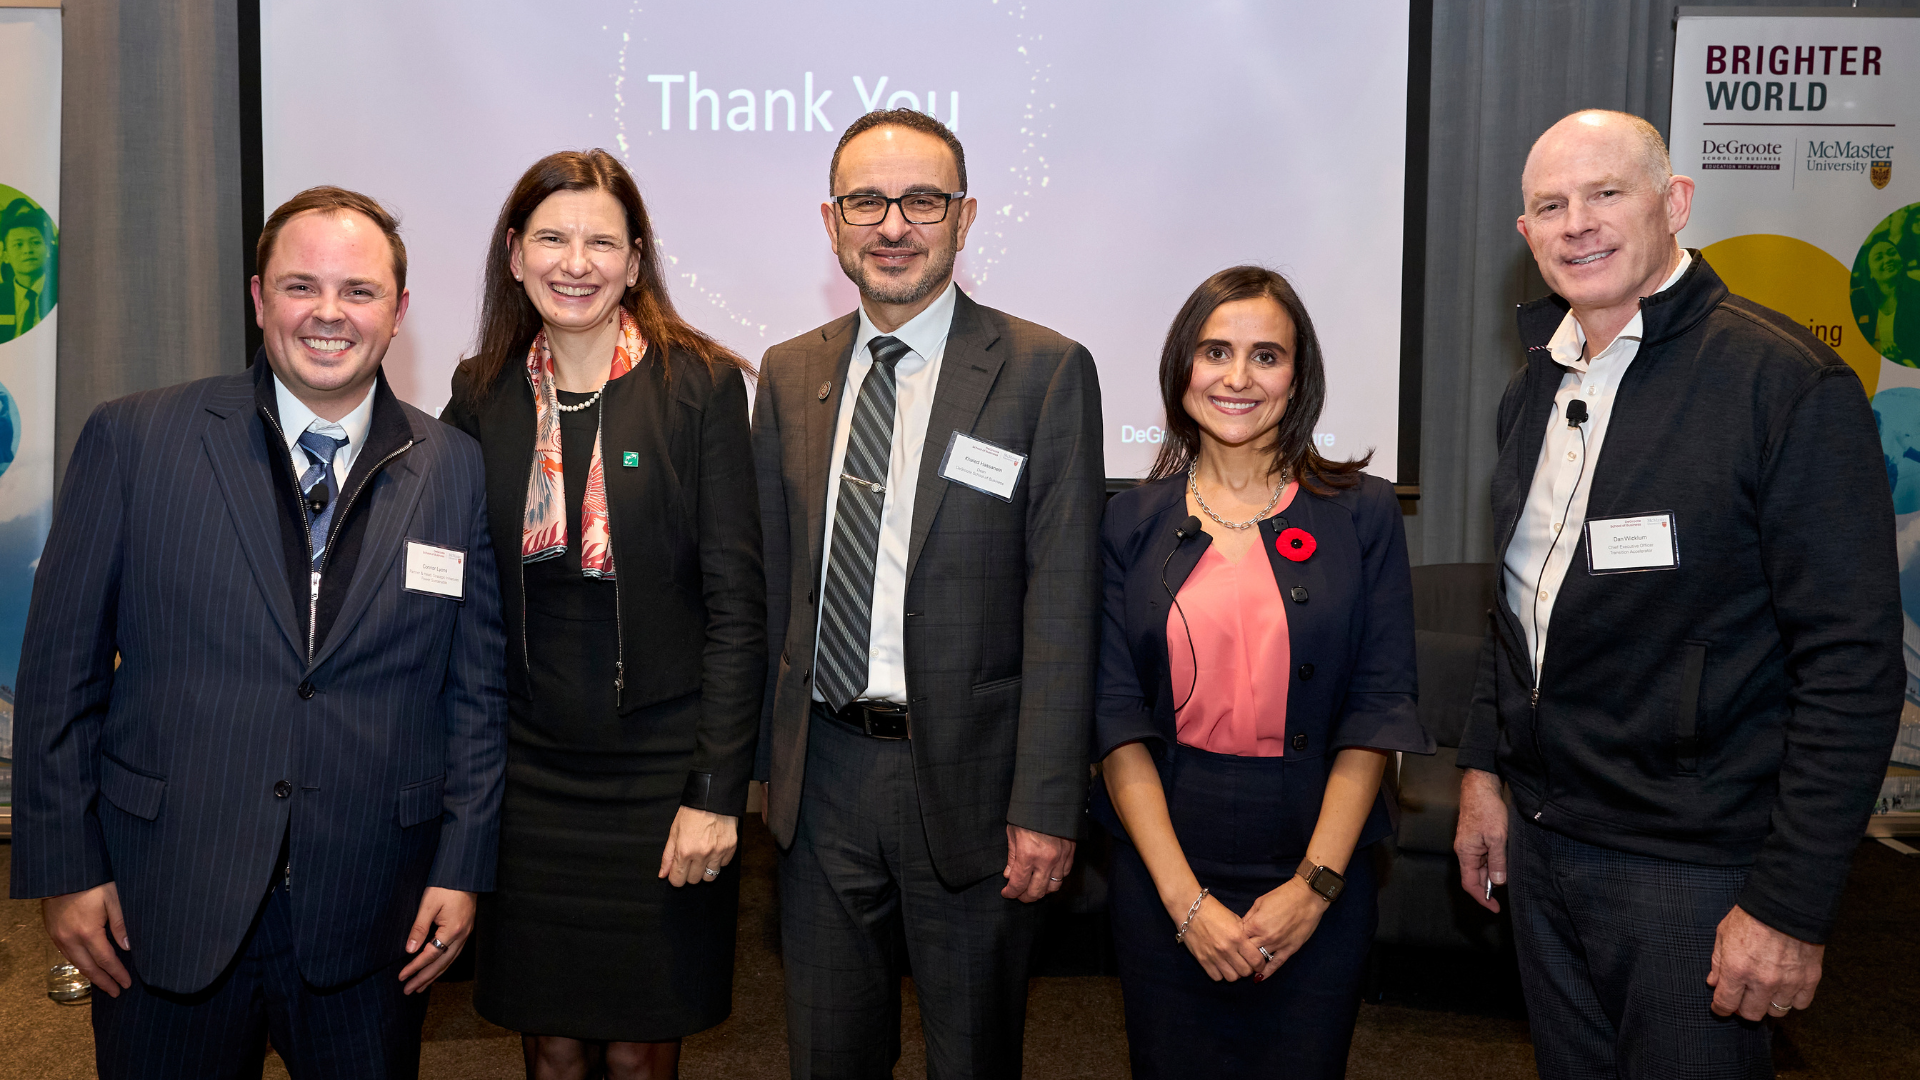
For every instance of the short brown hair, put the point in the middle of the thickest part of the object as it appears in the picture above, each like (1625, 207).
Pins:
(911, 119)
(333, 200)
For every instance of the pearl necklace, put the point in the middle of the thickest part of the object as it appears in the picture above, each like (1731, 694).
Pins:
(1193, 486)
(576, 408)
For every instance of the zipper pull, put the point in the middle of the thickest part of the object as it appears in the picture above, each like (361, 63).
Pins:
(619, 676)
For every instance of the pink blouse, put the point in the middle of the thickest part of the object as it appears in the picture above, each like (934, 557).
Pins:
(1239, 626)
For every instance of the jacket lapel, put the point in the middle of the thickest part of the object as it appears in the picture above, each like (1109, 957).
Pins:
(826, 366)
(236, 447)
(390, 496)
(967, 372)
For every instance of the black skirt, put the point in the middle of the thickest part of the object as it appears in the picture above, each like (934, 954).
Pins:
(581, 937)
(1244, 833)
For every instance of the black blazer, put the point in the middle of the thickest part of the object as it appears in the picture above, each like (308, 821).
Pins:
(685, 530)
(1349, 610)
(378, 752)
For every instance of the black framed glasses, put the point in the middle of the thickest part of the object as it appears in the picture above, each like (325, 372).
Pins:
(918, 207)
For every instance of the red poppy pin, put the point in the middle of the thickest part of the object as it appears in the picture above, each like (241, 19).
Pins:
(1295, 544)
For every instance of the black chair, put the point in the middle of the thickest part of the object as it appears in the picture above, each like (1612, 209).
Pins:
(1421, 902)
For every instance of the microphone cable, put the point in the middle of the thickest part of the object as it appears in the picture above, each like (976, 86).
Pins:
(1186, 531)
(1576, 419)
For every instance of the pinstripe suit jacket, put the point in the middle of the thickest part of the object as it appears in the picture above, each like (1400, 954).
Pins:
(1003, 598)
(161, 775)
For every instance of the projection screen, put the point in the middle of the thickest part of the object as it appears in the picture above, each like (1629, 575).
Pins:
(1120, 152)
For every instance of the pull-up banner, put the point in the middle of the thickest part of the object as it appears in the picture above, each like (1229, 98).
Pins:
(29, 321)
(1802, 132)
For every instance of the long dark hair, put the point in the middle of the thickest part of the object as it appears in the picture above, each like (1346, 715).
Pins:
(508, 320)
(1293, 437)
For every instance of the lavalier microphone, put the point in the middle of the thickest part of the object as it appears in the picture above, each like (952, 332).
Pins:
(1576, 413)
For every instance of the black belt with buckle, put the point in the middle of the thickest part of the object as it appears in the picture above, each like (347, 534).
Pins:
(874, 719)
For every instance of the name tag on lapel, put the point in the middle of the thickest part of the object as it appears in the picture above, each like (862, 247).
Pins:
(436, 570)
(982, 466)
(1624, 545)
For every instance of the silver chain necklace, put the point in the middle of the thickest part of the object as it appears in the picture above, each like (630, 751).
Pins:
(1193, 486)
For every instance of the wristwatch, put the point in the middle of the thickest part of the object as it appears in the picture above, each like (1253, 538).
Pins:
(1323, 880)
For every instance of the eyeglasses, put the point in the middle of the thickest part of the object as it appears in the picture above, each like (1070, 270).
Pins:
(918, 207)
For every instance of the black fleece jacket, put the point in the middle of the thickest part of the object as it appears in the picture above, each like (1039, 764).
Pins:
(1739, 709)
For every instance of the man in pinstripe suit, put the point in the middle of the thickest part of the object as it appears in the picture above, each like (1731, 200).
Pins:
(931, 488)
(261, 718)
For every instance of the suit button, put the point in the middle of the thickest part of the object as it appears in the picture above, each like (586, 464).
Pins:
(1299, 594)
(1306, 672)
(807, 675)
(305, 690)
(1278, 523)
(1299, 742)
(282, 789)
(810, 593)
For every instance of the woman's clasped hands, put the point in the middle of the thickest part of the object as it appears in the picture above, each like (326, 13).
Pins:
(1231, 947)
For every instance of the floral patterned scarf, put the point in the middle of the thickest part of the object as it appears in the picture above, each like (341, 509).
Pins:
(544, 534)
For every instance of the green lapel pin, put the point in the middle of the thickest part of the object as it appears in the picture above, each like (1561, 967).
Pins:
(630, 458)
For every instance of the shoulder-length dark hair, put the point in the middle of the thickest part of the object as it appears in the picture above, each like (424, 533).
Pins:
(508, 320)
(1293, 437)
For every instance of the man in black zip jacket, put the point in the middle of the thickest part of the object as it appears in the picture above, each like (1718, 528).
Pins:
(1694, 748)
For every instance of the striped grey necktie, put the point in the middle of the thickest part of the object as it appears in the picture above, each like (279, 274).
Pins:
(847, 608)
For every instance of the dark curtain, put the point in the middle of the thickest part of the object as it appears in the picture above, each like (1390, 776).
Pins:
(1503, 72)
(151, 273)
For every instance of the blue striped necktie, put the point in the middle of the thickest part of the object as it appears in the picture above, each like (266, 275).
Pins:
(320, 450)
(846, 615)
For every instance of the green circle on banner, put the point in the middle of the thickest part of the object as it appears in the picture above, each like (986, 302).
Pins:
(1885, 288)
(29, 263)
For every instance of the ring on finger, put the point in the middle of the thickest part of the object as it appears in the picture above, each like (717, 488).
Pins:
(1265, 953)
(1783, 1009)
(711, 873)
(1056, 880)
(438, 944)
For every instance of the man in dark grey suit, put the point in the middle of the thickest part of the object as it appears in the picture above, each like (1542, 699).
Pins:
(931, 486)
(261, 722)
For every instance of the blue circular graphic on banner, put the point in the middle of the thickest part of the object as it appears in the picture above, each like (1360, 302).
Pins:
(9, 429)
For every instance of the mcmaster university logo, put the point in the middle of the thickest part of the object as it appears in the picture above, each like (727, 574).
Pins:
(1881, 173)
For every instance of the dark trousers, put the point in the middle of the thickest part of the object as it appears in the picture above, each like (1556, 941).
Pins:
(1614, 955)
(1243, 823)
(858, 893)
(365, 1029)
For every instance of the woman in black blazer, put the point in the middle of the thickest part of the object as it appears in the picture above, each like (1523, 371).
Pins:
(1244, 729)
(622, 504)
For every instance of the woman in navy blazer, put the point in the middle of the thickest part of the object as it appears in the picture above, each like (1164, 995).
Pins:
(1242, 763)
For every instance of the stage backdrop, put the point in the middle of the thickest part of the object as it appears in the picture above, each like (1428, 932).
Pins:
(1120, 151)
(1809, 202)
(29, 319)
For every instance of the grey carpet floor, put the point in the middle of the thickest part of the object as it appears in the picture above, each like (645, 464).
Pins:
(1865, 1025)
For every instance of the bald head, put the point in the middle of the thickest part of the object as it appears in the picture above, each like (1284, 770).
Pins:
(1602, 208)
(1621, 134)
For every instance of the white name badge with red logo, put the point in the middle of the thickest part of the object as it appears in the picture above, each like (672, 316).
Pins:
(1627, 544)
(435, 570)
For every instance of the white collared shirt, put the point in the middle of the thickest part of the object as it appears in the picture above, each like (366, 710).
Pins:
(296, 419)
(915, 377)
(1536, 564)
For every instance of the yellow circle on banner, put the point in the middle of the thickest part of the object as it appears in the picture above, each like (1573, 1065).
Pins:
(1802, 282)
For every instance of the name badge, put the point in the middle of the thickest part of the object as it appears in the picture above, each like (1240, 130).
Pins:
(982, 466)
(434, 570)
(1624, 545)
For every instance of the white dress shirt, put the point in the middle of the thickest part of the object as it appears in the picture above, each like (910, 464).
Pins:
(296, 419)
(915, 377)
(1537, 562)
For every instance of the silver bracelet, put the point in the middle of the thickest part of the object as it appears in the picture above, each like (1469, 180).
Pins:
(1180, 935)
